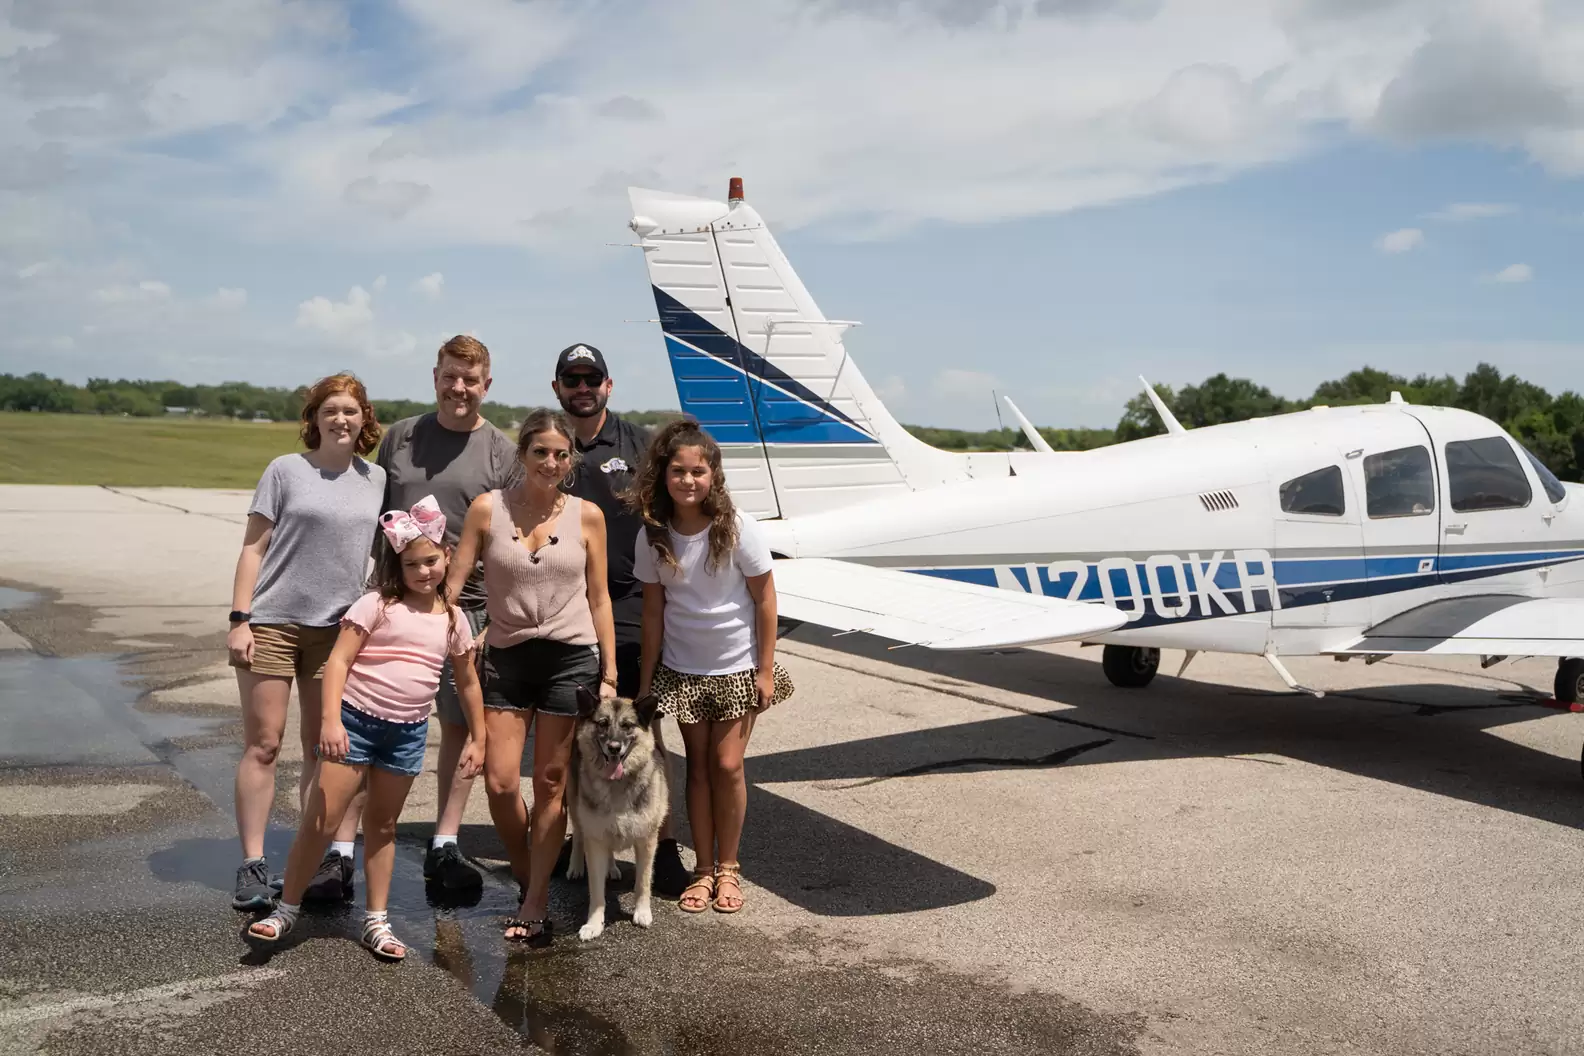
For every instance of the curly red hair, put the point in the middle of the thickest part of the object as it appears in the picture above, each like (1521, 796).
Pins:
(368, 438)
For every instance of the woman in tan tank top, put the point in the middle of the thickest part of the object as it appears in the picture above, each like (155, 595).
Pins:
(550, 631)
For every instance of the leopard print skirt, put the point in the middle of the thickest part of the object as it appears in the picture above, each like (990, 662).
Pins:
(713, 698)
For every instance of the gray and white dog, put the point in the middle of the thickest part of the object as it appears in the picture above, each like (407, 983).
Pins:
(617, 795)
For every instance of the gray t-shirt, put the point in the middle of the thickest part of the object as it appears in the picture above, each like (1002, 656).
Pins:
(324, 523)
(422, 457)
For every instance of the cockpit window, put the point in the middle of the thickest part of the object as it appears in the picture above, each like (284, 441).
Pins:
(1486, 475)
(1548, 480)
(1318, 493)
(1399, 483)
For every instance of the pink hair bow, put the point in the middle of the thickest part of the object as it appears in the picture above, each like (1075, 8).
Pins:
(424, 519)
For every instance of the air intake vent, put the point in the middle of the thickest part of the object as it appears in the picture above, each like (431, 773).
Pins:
(1216, 501)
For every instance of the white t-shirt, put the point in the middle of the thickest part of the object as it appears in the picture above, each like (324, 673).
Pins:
(709, 616)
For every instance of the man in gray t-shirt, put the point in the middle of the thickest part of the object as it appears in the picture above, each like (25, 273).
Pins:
(454, 454)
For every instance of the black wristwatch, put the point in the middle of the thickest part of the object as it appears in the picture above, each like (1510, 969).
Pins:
(238, 616)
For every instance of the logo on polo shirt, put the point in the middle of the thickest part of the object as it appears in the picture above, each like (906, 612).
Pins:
(615, 465)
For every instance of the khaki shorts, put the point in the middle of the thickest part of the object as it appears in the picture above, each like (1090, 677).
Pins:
(287, 649)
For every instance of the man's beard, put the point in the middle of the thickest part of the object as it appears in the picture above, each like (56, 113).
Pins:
(599, 406)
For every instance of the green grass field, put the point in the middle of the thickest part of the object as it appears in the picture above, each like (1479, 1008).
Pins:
(138, 452)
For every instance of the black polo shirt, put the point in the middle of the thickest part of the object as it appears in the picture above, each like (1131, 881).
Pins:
(606, 470)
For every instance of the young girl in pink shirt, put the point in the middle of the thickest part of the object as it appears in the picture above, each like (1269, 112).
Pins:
(379, 685)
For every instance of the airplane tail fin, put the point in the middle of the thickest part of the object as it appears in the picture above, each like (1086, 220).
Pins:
(765, 372)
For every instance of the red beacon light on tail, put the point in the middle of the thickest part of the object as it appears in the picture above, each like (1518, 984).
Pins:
(734, 190)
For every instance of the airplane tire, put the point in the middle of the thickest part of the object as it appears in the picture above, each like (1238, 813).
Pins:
(1130, 666)
(1569, 680)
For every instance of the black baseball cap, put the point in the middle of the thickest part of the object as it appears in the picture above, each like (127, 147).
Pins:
(580, 356)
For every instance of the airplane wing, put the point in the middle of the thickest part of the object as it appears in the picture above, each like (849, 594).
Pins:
(927, 610)
(1482, 625)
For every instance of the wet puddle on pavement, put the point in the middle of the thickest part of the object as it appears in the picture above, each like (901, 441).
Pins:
(11, 598)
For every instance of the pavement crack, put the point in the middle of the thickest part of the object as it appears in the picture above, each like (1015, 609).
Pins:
(167, 505)
(1056, 758)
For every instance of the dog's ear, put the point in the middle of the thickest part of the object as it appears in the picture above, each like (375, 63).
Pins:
(587, 702)
(646, 706)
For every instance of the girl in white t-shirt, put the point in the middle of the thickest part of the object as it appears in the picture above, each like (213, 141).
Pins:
(708, 595)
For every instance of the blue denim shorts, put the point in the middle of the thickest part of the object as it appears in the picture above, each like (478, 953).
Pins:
(373, 741)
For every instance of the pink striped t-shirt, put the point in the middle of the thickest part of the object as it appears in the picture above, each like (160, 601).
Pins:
(396, 674)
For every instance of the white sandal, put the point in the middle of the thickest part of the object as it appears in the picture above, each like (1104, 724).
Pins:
(378, 938)
(279, 922)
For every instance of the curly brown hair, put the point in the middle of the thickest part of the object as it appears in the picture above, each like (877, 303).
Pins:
(652, 501)
(368, 438)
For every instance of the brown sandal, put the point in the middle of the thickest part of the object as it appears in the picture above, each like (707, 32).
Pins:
(701, 881)
(728, 873)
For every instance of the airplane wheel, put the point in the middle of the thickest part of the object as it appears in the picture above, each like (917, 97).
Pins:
(1129, 666)
(1569, 680)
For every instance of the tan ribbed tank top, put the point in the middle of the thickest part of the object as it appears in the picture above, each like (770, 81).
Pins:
(547, 598)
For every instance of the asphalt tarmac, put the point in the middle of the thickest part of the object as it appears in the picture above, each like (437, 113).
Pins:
(955, 854)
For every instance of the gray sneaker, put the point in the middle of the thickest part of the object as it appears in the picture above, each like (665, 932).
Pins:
(333, 881)
(253, 890)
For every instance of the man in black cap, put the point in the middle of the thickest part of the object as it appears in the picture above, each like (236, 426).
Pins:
(611, 451)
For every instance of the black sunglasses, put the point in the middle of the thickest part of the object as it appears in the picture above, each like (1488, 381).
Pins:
(572, 381)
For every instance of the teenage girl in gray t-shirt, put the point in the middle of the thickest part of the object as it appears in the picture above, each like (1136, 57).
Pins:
(304, 560)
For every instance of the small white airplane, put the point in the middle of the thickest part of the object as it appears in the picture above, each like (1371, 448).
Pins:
(1346, 531)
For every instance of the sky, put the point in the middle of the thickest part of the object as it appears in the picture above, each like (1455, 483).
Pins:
(1045, 198)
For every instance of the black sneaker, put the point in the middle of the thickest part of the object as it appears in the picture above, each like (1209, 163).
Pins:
(253, 891)
(333, 881)
(446, 867)
(671, 877)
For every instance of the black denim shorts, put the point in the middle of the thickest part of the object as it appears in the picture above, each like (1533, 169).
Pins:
(540, 675)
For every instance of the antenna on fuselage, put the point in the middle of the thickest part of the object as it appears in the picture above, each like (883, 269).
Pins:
(1168, 419)
(1034, 437)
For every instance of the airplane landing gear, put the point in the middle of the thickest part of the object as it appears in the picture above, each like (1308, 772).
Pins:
(1570, 688)
(1129, 666)
(1569, 680)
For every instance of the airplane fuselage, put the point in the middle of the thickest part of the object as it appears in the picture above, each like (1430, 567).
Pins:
(1287, 535)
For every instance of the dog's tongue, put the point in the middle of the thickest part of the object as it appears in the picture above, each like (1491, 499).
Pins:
(615, 770)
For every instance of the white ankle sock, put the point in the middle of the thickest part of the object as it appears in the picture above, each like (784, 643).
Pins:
(441, 841)
(344, 847)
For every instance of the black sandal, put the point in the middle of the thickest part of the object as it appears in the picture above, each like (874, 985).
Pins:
(541, 937)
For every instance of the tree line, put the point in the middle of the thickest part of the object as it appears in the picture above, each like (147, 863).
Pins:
(233, 399)
(1550, 426)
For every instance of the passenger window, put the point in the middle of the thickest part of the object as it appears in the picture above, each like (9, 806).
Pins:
(1548, 480)
(1399, 483)
(1485, 475)
(1318, 493)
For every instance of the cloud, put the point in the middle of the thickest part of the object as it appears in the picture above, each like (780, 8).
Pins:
(1460, 211)
(430, 285)
(378, 285)
(394, 198)
(147, 290)
(338, 319)
(37, 269)
(627, 108)
(350, 324)
(1401, 241)
(1513, 273)
(227, 297)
